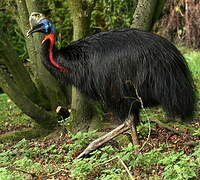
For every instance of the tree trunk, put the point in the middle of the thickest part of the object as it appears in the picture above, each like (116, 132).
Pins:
(19, 73)
(192, 30)
(16, 82)
(47, 120)
(82, 108)
(47, 85)
(146, 13)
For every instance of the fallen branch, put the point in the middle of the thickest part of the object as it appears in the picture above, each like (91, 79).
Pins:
(169, 128)
(27, 133)
(105, 162)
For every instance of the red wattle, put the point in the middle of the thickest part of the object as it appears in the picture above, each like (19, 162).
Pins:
(51, 37)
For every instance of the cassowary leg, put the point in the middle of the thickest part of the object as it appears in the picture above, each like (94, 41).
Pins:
(107, 137)
(132, 123)
(134, 134)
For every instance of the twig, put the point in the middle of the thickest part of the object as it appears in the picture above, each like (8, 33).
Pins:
(121, 161)
(139, 98)
(58, 171)
(19, 170)
(105, 162)
(126, 168)
(142, 106)
(149, 133)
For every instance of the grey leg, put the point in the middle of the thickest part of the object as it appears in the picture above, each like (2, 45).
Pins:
(131, 122)
(107, 137)
(128, 124)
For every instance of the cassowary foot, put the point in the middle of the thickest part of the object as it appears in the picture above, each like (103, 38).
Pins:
(107, 137)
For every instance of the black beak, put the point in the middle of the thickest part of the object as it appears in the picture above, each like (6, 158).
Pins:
(37, 28)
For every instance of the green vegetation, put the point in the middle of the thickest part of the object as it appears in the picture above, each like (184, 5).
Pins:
(10, 114)
(53, 158)
(165, 156)
(193, 60)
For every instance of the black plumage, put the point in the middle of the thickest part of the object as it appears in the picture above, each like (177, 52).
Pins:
(117, 66)
(126, 69)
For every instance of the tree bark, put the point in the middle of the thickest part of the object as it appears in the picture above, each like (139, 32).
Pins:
(18, 71)
(47, 120)
(192, 31)
(146, 13)
(51, 90)
(82, 108)
(17, 83)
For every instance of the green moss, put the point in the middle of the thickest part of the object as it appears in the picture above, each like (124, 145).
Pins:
(10, 113)
(28, 133)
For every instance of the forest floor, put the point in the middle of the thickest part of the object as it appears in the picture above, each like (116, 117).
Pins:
(163, 154)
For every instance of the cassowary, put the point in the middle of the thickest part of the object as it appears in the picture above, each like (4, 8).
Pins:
(126, 69)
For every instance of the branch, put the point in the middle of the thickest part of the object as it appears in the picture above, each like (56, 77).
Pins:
(139, 99)
(33, 175)
(23, 16)
(126, 168)
(170, 128)
(17, 69)
(41, 116)
(23, 22)
(81, 15)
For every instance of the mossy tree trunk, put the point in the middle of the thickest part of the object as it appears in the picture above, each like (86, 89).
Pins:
(146, 13)
(17, 83)
(50, 88)
(36, 95)
(83, 109)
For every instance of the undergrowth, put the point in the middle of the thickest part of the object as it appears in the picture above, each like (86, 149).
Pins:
(56, 158)
(29, 159)
(10, 114)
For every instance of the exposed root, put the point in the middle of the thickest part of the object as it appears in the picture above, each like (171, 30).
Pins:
(27, 133)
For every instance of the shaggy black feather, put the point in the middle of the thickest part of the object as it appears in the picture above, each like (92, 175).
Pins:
(111, 65)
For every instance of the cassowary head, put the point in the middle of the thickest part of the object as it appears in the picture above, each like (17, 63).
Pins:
(39, 23)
